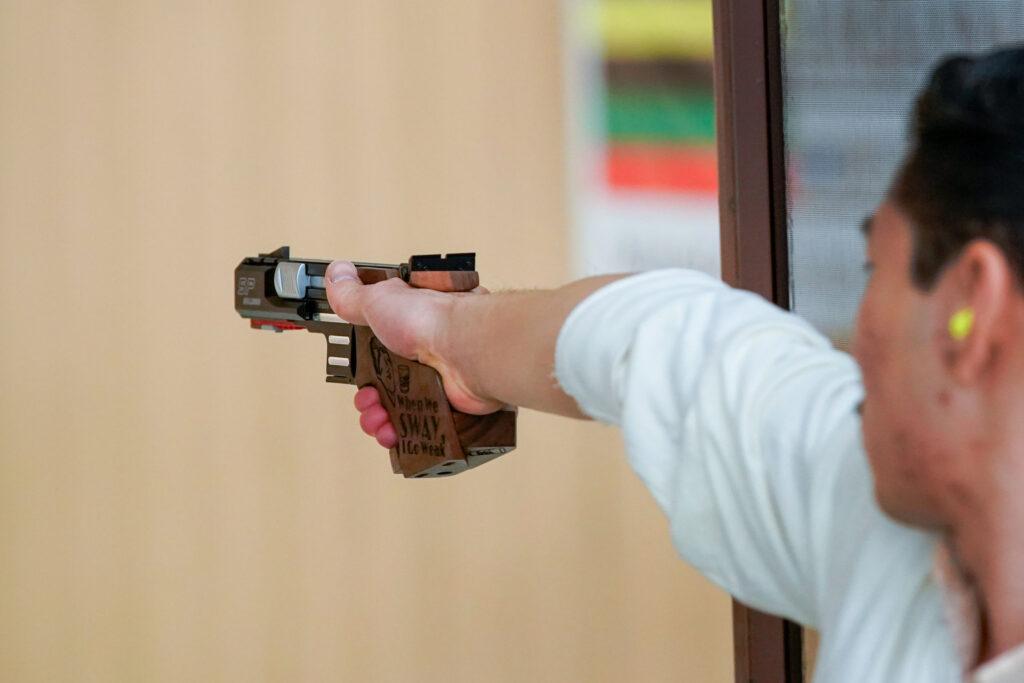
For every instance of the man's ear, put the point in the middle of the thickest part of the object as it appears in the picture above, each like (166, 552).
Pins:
(974, 294)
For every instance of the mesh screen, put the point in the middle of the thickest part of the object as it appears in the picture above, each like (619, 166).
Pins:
(851, 70)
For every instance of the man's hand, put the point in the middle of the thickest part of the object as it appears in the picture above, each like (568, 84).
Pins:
(489, 350)
(411, 322)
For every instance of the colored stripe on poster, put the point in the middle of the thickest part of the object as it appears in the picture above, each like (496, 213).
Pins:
(644, 29)
(640, 114)
(666, 169)
(667, 73)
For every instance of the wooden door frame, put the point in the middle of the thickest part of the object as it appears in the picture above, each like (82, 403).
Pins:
(754, 244)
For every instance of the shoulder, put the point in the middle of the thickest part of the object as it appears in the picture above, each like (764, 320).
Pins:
(881, 608)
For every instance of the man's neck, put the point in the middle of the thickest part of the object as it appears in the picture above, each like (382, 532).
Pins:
(989, 545)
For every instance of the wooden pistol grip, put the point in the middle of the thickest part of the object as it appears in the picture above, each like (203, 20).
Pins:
(434, 440)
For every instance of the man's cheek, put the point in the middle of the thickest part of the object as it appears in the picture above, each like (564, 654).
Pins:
(870, 357)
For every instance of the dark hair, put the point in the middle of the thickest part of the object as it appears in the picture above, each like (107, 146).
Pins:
(964, 176)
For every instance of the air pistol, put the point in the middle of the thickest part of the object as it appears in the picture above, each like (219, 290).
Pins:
(277, 292)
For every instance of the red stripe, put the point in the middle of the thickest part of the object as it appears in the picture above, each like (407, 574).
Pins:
(258, 323)
(671, 169)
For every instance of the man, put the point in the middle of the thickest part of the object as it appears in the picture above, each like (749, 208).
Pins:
(759, 441)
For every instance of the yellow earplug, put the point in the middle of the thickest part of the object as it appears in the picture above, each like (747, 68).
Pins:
(960, 324)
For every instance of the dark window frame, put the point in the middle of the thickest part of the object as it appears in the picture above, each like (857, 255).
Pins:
(754, 246)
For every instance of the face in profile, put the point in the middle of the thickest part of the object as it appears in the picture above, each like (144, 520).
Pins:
(941, 410)
(897, 354)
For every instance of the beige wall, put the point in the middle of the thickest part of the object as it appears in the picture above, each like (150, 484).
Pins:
(183, 499)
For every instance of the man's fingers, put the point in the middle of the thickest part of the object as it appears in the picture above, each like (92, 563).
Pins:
(373, 418)
(345, 291)
(366, 397)
(386, 436)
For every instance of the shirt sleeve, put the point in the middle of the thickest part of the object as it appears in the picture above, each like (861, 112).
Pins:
(735, 414)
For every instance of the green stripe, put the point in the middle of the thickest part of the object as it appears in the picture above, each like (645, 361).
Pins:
(657, 114)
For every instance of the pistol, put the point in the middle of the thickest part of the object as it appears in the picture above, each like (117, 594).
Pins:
(277, 292)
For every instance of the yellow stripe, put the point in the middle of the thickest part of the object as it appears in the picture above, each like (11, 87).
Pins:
(644, 29)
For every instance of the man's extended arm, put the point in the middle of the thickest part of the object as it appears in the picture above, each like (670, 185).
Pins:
(738, 416)
(490, 350)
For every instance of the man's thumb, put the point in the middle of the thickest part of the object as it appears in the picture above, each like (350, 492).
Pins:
(345, 291)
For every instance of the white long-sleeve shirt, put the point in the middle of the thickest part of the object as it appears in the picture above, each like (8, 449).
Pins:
(741, 420)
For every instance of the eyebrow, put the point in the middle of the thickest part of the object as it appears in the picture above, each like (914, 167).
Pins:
(866, 224)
